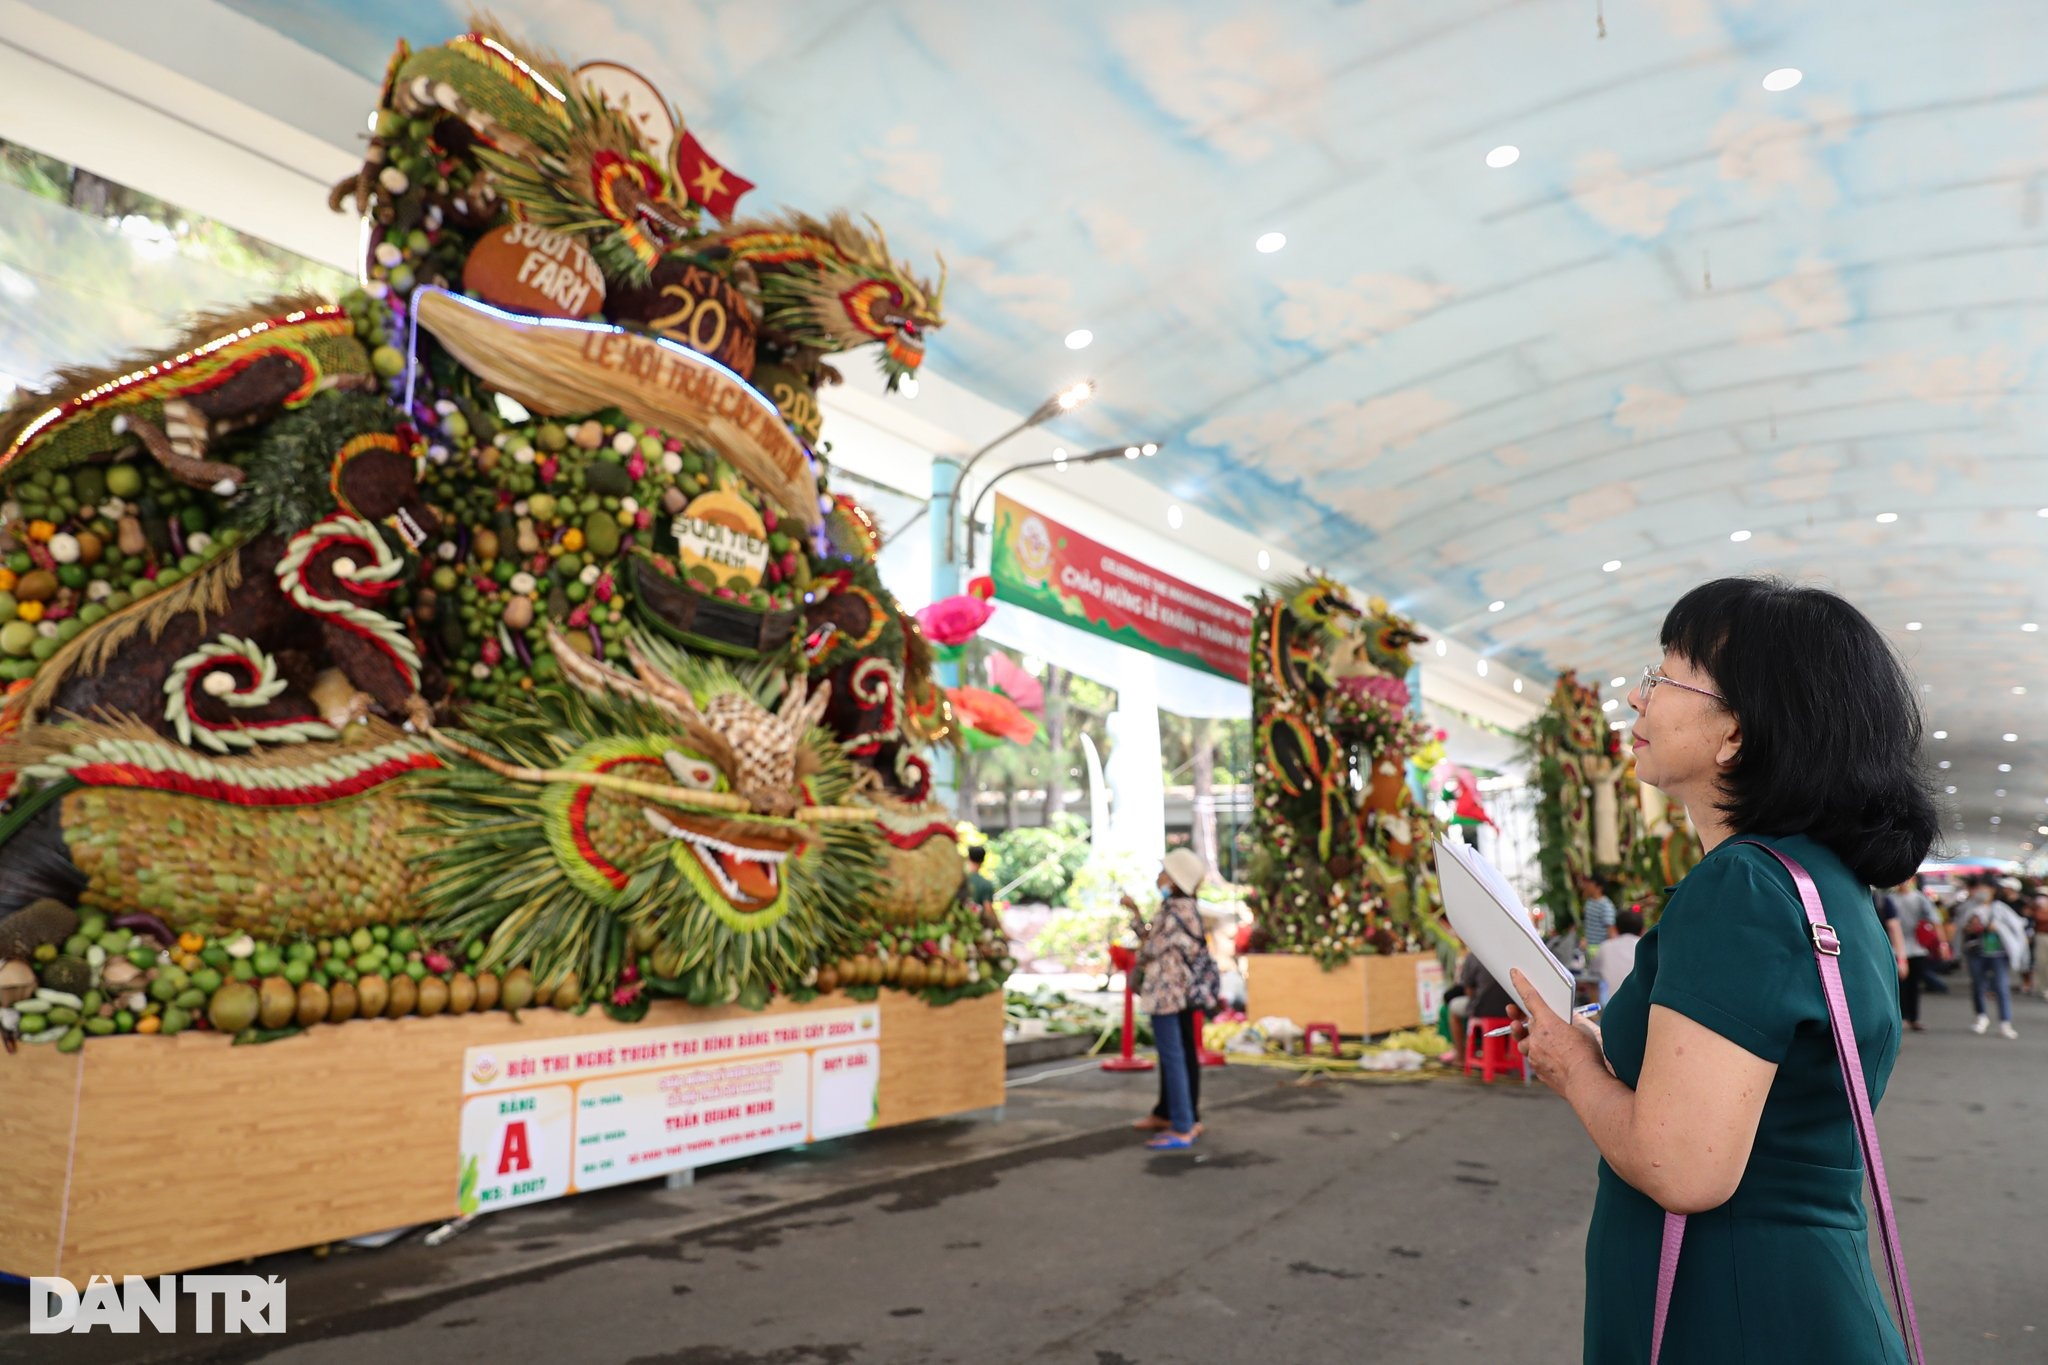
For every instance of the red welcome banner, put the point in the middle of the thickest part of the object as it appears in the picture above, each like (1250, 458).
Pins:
(1056, 571)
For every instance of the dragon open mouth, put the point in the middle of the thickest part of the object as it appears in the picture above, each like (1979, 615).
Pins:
(409, 527)
(743, 861)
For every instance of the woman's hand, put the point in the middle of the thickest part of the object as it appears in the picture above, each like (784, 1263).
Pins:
(1558, 1049)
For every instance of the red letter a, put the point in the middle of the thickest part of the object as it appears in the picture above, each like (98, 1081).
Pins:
(515, 1156)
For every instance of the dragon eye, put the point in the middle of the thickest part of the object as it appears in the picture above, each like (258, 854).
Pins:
(694, 773)
(908, 326)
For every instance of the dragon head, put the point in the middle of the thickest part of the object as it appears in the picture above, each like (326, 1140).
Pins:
(727, 745)
(831, 286)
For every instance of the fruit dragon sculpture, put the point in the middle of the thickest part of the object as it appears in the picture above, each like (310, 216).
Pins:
(1343, 865)
(400, 655)
(1590, 816)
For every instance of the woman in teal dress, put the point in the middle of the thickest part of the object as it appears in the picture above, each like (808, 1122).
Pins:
(1711, 1085)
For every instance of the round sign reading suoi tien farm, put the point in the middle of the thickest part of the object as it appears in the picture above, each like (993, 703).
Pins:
(688, 304)
(529, 269)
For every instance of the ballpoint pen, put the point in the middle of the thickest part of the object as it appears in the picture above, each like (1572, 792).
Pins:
(1581, 1012)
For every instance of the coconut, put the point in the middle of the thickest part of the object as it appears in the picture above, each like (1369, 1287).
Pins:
(277, 1003)
(405, 994)
(518, 991)
(568, 993)
(828, 980)
(433, 996)
(234, 1007)
(461, 993)
(486, 990)
(341, 1003)
(373, 993)
(17, 981)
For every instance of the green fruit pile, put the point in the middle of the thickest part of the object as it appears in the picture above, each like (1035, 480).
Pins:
(539, 519)
(960, 955)
(105, 980)
(79, 545)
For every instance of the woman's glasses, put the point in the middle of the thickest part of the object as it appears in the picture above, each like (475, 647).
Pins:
(1651, 677)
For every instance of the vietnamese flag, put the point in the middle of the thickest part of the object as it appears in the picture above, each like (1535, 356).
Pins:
(705, 181)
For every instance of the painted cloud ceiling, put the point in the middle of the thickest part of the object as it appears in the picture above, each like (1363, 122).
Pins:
(1693, 307)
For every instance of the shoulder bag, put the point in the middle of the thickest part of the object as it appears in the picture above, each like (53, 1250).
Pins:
(1205, 983)
(1827, 951)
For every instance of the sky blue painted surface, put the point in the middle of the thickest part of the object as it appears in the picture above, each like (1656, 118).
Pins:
(1692, 307)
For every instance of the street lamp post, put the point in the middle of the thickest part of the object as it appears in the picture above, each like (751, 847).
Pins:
(1142, 451)
(1065, 401)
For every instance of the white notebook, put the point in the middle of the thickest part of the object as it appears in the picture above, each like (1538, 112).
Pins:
(1487, 914)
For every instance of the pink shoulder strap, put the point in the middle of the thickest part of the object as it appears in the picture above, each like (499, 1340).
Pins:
(1827, 952)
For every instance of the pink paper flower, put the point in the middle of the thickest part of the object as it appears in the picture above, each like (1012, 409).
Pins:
(636, 465)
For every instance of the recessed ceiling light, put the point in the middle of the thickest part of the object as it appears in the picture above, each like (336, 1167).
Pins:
(1784, 78)
(2004, 768)
(1999, 792)
(2019, 691)
(1443, 647)
(1496, 606)
(1943, 765)
(1270, 242)
(2030, 626)
(1610, 566)
(2009, 737)
(1887, 518)
(907, 386)
(2041, 511)
(1615, 724)
(1518, 684)
(1173, 517)
(1609, 704)
(1503, 156)
(1951, 791)
(1618, 682)
(1941, 734)
(1079, 338)
(1265, 561)
(1738, 536)
(1912, 625)
(1482, 668)
(1995, 819)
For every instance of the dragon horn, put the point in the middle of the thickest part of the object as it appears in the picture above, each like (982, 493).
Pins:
(599, 680)
(660, 686)
(939, 294)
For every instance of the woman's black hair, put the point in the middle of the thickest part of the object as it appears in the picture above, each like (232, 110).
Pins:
(1830, 721)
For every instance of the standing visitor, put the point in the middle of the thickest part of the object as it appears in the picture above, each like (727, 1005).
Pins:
(2039, 909)
(1919, 929)
(980, 890)
(1596, 919)
(1618, 954)
(1178, 972)
(1783, 722)
(1992, 941)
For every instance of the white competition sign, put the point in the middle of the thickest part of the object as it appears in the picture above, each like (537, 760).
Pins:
(547, 1118)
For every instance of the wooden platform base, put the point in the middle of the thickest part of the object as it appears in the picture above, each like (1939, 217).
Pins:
(1362, 997)
(147, 1156)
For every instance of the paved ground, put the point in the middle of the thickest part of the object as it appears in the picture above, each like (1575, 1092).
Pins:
(1348, 1222)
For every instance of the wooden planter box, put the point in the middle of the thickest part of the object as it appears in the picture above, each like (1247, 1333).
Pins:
(148, 1156)
(1365, 996)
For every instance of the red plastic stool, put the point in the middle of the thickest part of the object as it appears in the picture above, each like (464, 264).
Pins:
(1308, 1039)
(1202, 1053)
(1492, 1055)
(1126, 961)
